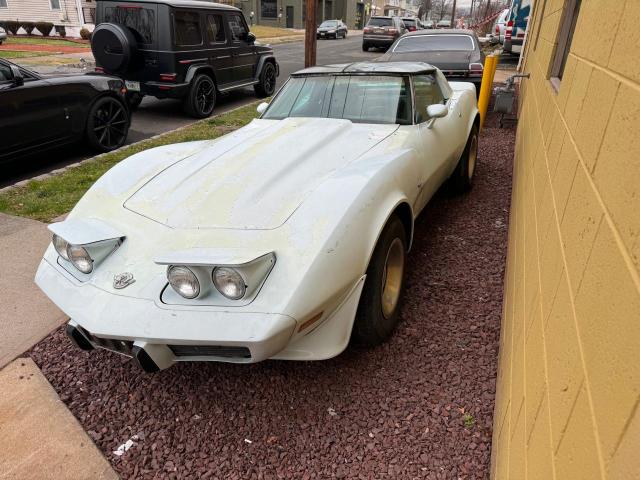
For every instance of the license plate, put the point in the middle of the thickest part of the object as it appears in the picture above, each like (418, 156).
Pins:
(133, 86)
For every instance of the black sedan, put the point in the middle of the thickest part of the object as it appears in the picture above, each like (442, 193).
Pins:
(38, 113)
(332, 29)
(455, 52)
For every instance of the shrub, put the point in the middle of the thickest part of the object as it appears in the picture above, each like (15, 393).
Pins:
(12, 26)
(44, 28)
(85, 34)
(61, 30)
(28, 27)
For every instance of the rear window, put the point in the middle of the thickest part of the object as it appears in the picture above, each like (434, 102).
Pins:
(409, 22)
(186, 28)
(431, 43)
(380, 22)
(141, 21)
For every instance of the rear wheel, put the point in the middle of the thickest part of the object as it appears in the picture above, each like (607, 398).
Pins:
(201, 99)
(365, 47)
(379, 306)
(267, 84)
(107, 124)
(462, 177)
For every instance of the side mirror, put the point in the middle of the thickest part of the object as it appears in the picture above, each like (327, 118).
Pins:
(251, 38)
(262, 107)
(437, 110)
(18, 79)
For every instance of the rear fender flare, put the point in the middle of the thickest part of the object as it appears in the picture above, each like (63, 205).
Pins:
(198, 69)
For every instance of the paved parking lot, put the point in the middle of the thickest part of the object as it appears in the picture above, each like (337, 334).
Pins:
(419, 406)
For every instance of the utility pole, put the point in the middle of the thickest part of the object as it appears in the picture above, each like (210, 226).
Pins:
(310, 34)
(453, 13)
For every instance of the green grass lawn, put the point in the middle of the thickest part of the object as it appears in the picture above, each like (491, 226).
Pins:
(47, 199)
(261, 31)
(16, 54)
(11, 40)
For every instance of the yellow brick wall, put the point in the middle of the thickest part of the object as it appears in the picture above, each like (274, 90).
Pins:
(568, 391)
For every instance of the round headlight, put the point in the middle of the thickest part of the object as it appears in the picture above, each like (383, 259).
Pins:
(80, 258)
(183, 281)
(60, 244)
(229, 282)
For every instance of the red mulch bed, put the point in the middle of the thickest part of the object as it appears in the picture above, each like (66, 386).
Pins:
(396, 411)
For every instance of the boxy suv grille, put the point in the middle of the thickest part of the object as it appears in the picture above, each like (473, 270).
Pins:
(210, 351)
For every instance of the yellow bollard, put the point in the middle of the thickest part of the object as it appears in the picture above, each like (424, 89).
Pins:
(490, 65)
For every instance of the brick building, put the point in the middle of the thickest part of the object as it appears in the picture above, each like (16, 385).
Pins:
(568, 387)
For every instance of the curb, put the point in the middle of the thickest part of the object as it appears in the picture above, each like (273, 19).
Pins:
(58, 171)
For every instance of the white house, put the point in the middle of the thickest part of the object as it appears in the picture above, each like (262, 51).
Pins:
(73, 14)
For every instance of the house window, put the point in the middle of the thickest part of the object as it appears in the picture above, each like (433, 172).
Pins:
(3, 4)
(269, 8)
(567, 27)
(55, 4)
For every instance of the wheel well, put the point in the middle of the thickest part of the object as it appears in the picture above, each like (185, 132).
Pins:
(205, 71)
(404, 213)
(476, 121)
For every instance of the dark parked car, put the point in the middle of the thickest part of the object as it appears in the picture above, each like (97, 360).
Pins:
(186, 49)
(332, 29)
(381, 32)
(38, 112)
(455, 52)
(412, 24)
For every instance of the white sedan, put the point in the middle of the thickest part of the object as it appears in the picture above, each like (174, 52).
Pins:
(283, 240)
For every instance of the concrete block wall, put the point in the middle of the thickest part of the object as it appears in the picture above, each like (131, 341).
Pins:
(568, 391)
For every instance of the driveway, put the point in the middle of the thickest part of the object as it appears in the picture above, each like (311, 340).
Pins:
(419, 406)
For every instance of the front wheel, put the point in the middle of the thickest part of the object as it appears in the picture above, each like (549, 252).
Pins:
(267, 84)
(201, 99)
(462, 177)
(379, 306)
(107, 124)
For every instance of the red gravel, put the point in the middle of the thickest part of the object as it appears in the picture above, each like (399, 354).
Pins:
(41, 47)
(396, 411)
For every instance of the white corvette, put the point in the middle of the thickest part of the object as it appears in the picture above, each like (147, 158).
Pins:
(283, 239)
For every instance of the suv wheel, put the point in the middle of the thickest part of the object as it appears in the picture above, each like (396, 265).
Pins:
(267, 84)
(201, 99)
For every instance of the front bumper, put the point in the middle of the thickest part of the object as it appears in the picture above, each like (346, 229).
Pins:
(166, 334)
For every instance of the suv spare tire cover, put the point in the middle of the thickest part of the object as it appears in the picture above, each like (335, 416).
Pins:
(113, 46)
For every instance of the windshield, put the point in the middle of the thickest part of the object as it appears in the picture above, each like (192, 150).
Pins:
(431, 43)
(379, 22)
(361, 99)
(329, 23)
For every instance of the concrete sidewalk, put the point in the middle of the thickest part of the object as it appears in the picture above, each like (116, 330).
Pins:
(39, 438)
(26, 315)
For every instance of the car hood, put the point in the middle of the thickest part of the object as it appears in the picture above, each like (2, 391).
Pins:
(259, 181)
(444, 60)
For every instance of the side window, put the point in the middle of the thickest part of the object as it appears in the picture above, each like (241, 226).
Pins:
(427, 92)
(5, 73)
(565, 36)
(215, 30)
(237, 27)
(186, 28)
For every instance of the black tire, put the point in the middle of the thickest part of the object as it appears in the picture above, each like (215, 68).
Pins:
(114, 47)
(372, 324)
(365, 47)
(133, 100)
(107, 124)
(462, 178)
(267, 84)
(201, 99)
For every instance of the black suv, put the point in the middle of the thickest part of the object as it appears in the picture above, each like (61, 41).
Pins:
(187, 49)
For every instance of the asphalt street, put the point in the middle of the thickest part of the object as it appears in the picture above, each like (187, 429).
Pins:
(158, 116)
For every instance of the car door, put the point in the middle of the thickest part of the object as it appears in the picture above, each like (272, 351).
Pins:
(438, 137)
(243, 53)
(31, 113)
(219, 53)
